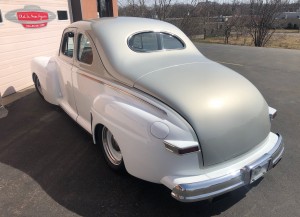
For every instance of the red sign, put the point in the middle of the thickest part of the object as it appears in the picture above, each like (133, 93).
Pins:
(31, 16)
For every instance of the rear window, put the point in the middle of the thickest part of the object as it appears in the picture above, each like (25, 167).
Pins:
(154, 41)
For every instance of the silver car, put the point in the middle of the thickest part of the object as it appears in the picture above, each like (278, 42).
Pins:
(158, 108)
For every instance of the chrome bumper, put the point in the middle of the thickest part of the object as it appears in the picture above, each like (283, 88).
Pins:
(211, 188)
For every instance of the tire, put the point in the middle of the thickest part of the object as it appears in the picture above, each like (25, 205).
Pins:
(38, 86)
(111, 150)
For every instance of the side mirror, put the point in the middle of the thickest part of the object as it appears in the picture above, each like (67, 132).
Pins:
(71, 34)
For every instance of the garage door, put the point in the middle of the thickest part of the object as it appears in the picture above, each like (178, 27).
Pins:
(28, 29)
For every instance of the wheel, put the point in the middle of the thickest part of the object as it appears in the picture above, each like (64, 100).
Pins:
(38, 86)
(111, 150)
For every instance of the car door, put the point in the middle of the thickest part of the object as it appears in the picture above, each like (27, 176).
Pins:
(65, 62)
(87, 73)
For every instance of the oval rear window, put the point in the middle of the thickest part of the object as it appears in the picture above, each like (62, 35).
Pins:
(154, 41)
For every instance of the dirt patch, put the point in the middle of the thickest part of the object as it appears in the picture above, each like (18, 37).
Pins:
(281, 39)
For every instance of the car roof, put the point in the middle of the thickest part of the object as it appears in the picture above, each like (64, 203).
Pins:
(127, 24)
(111, 35)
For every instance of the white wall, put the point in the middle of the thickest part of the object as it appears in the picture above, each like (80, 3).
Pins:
(19, 45)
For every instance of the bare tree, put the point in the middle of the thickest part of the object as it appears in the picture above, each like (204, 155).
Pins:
(195, 18)
(131, 8)
(262, 19)
(142, 7)
(135, 8)
(229, 17)
(205, 12)
(161, 8)
(187, 24)
(229, 24)
(234, 21)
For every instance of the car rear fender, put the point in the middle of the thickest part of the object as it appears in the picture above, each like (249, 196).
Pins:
(141, 128)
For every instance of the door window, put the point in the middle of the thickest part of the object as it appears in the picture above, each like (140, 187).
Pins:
(68, 44)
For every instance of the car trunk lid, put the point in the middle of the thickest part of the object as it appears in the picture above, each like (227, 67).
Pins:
(228, 114)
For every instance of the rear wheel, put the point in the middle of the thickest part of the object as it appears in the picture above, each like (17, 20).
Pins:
(111, 150)
(38, 86)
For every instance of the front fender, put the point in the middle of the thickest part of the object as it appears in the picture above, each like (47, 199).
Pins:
(46, 70)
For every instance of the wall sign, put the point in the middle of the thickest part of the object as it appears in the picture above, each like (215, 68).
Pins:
(31, 16)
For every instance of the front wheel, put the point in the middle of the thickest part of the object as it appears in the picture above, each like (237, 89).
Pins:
(38, 86)
(111, 150)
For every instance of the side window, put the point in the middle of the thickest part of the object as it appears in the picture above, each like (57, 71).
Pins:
(85, 53)
(68, 44)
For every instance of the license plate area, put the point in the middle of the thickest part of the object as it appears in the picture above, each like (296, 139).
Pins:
(259, 170)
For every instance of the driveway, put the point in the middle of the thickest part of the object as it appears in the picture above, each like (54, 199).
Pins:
(50, 167)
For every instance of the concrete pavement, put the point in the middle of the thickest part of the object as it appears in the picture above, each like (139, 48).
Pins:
(50, 167)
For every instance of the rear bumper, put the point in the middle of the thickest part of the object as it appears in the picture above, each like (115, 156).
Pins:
(197, 191)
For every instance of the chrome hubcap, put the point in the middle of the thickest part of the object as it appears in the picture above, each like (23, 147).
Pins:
(111, 147)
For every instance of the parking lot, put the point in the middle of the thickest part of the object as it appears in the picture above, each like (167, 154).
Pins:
(49, 165)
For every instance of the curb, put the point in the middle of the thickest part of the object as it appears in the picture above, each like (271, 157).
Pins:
(17, 95)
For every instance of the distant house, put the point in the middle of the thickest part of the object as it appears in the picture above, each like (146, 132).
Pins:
(289, 15)
(290, 20)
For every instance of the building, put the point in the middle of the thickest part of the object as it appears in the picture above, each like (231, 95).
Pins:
(289, 15)
(288, 20)
(30, 28)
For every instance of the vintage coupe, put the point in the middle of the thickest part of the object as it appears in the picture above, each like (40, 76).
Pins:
(159, 109)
